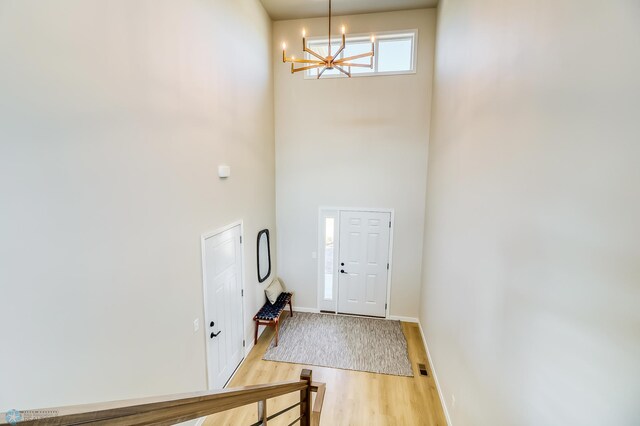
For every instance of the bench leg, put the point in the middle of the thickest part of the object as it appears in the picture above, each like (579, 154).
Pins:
(290, 307)
(255, 335)
(277, 322)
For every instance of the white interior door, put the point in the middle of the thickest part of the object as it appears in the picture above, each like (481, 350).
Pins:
(222, 257)
(364, 262)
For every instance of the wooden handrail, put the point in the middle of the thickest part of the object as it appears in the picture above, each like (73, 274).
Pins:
(173, 409)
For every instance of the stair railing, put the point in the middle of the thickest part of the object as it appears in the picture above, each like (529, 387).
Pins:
(168, 410)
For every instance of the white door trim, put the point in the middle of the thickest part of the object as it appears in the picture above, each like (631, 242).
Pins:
(203, 237)
(320, 256)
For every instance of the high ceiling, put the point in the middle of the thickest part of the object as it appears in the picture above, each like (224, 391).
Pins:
(294, 9)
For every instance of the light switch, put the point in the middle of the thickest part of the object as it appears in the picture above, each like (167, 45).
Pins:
(196, 325)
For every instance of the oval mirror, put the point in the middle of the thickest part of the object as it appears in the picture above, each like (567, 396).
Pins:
(264, 255)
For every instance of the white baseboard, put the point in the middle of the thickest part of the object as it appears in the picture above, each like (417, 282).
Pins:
(403, 319)
(200, 421)
(235, 371)
(310, 310)
(251, 342)
(435, 377)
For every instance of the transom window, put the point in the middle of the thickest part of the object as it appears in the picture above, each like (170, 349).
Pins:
(395, 53)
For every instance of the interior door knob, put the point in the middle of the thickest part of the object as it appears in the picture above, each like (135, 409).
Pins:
(343, 272)
(215, 334)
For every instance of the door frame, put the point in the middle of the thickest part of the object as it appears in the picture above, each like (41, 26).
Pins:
(203, 237)
(322, 211)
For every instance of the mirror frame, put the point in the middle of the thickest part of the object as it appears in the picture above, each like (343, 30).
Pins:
(260, 278)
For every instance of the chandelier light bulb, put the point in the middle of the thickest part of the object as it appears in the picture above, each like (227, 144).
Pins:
(373, 38)
(284, 46)
(304, 33)
(343, 29)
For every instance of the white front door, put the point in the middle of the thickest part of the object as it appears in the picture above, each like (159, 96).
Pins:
(364, 257)
(222, 257)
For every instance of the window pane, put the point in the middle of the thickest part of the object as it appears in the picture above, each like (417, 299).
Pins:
(395, 55)
(328, 257)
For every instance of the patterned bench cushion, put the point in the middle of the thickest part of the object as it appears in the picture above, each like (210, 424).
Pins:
(270, 312)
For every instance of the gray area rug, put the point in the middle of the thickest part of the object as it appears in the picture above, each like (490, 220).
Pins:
(338, 341)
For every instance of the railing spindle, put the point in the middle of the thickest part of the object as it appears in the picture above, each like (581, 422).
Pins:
(262, 412)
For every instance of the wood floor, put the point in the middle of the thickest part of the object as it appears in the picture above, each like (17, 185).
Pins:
(352, 397)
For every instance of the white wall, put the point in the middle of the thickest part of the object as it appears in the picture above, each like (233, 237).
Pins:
(532, 254)
(113, 118)
(358, 142)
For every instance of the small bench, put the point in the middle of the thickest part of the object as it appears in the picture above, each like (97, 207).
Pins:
(269, 314)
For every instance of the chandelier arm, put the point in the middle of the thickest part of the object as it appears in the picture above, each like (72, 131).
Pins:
(310, 67)
(322, 72)
(311, 52)
(350, 58)
(342, 46)
(349, 64)
(304, 61)
(342, 70)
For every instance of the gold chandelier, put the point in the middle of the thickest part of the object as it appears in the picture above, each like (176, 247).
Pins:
(330, 61)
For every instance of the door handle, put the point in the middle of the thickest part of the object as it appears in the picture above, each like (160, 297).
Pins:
(343, 272)
(211, 324)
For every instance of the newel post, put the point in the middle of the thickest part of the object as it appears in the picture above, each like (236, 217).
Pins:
(305, 399)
